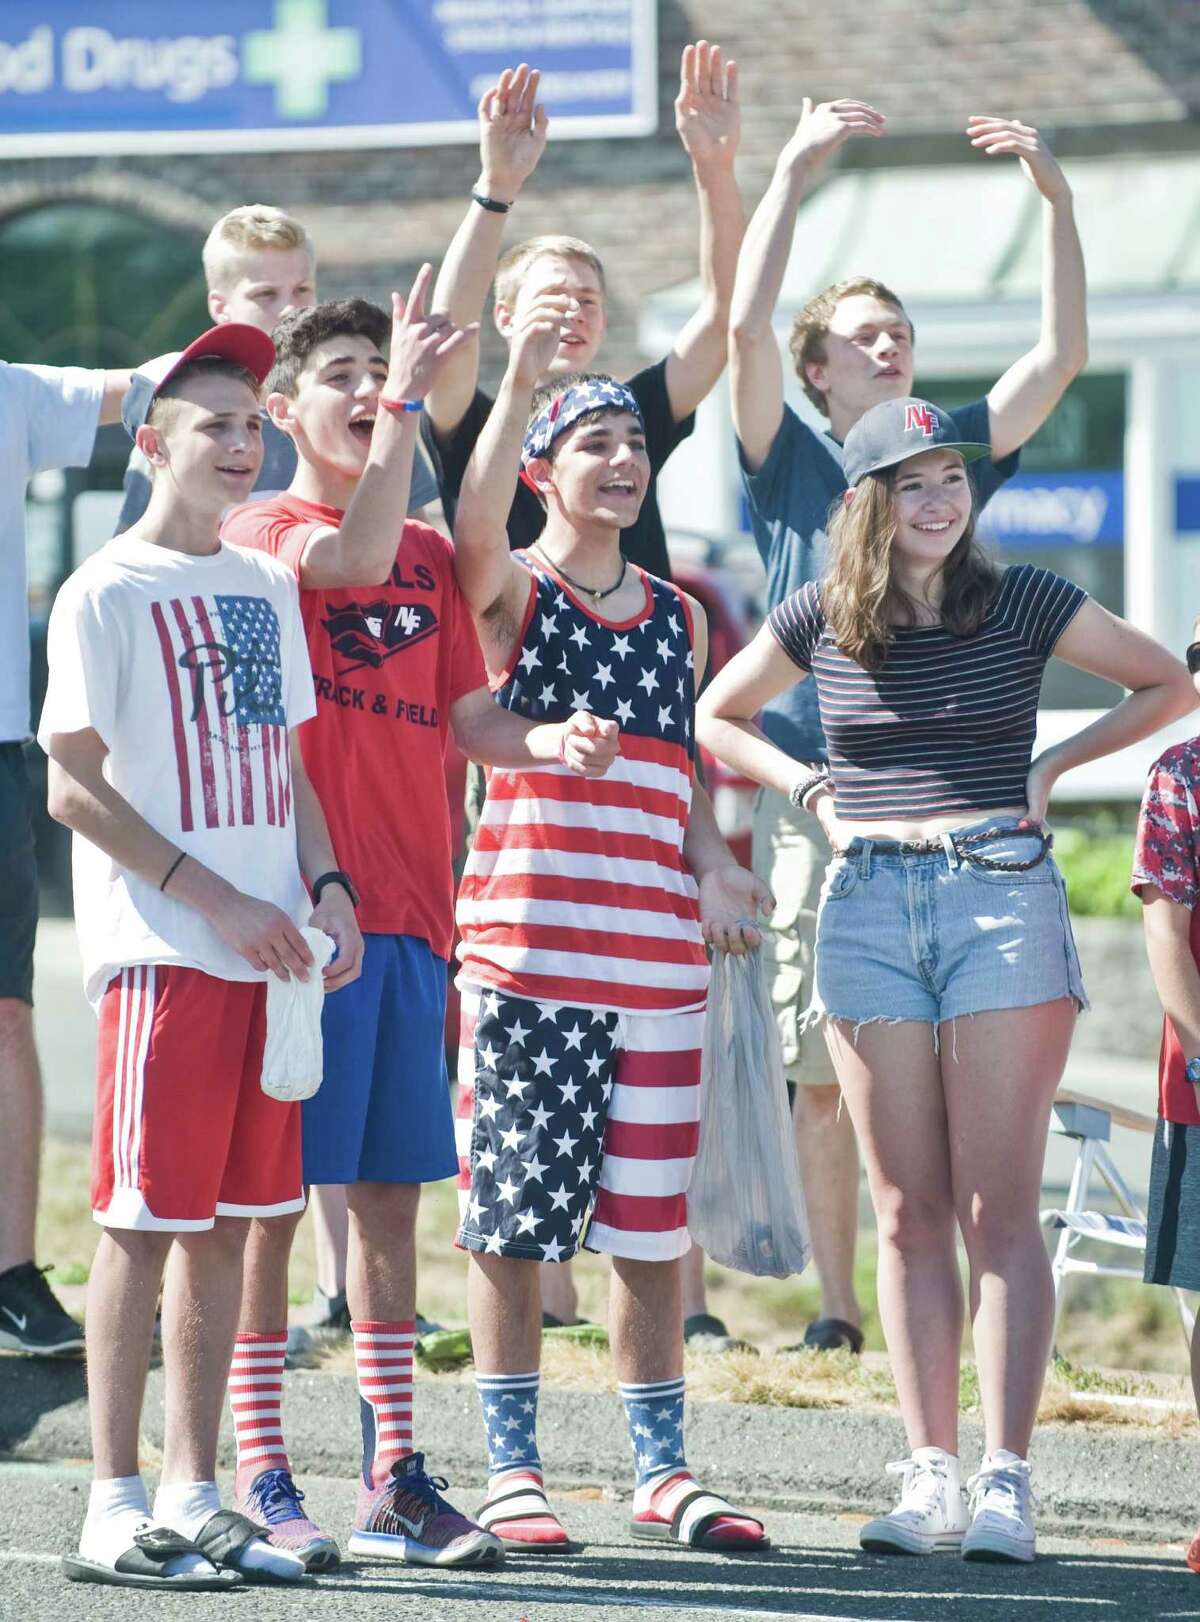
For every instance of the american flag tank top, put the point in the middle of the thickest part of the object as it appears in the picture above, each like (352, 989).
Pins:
(575, 890)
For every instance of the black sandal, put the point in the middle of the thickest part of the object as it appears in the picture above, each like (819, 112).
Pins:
(831, 1335)
(225, 1535)
(141, 1566)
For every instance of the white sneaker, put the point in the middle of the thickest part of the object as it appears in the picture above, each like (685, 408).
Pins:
(1001, 1510)
(931, 1514)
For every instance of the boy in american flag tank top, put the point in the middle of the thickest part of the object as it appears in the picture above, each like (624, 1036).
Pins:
(584, 911)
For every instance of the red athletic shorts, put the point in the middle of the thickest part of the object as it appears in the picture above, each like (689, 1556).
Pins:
(183, 1131)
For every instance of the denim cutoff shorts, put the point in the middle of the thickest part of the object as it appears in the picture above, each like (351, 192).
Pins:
(933, 937)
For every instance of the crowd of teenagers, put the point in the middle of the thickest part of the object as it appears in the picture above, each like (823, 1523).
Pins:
(251, 691)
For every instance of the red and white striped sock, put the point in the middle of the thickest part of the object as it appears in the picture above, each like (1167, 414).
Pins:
(383, 1354)
(255, 1398)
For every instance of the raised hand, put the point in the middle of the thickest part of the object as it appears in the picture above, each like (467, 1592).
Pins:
(589, 745)
(512, 132)
(421, 343)
(827, 126)
(731, 899)
(707, 114)
(537, 335)
(1008, 135)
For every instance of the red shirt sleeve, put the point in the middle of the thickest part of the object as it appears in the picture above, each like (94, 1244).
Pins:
(1165, 852)
(268, 528)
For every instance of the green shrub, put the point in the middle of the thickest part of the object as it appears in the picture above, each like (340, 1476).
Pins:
(1096, 869)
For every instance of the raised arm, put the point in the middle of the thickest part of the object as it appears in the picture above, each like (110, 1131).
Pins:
(756, 370)
(708, 118)
(512, 137)
(1159, 691)
(362, 549)
(495, 585)
(1024, 397)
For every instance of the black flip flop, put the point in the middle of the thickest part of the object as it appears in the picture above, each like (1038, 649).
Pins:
(831, 1335)
(141, 1565)
(705, 1333)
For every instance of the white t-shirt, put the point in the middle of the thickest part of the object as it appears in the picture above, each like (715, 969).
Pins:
(192, 670)
(48, 419)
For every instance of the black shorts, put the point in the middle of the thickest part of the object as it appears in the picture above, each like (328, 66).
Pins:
(18, 875)
(1173, 1217)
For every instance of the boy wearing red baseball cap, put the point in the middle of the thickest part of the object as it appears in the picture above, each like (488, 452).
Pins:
(178, 671)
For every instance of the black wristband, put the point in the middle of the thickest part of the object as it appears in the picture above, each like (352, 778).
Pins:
(171, 870)
(490, 203)
(334, 876)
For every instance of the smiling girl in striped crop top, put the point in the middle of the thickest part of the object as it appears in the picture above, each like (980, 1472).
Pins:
(942, 901)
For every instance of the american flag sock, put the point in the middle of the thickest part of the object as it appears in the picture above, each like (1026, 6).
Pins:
(516, 1509)
(509, 1403)
(654, 1415)
(255, 1398)
(383, 1354)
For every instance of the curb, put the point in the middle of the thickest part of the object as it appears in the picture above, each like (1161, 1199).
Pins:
(1090, 1479)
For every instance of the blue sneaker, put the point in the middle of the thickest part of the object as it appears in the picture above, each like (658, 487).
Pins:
(408, 1519)
(273, 1502)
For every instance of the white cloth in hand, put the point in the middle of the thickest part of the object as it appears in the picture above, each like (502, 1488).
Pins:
(292, 1057)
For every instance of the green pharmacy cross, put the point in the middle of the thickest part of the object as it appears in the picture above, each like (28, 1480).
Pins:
(301, 56)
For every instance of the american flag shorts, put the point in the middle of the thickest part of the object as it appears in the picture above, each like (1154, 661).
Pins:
(575, 1125)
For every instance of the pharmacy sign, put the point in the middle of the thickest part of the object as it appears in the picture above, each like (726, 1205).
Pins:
(276, 75)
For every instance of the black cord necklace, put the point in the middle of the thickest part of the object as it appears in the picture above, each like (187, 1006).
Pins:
(588, 591)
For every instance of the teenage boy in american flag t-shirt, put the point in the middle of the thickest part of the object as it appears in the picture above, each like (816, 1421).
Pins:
(178, 673)
(584, 912)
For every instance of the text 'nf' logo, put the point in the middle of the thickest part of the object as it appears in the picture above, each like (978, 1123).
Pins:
(922, 417)
(301, 57)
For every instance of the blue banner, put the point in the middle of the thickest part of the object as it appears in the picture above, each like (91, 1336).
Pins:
(261, 75)
(1057, 509)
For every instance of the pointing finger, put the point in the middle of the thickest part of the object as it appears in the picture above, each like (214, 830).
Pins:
(416, 295)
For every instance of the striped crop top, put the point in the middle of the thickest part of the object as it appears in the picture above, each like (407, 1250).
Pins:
(948, 723)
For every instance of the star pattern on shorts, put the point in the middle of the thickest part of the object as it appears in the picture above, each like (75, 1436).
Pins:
(540, 1114)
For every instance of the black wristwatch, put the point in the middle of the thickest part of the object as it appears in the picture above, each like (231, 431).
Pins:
(334, 876)
(1192, 657)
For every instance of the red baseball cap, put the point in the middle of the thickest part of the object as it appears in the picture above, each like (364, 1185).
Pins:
(235, 341)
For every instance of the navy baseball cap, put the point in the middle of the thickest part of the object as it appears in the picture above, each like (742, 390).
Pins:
(894, 430)
(235, 341)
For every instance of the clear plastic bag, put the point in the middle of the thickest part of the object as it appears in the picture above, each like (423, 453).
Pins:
(745, 1203)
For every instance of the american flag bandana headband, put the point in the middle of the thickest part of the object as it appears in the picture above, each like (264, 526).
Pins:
(567, 408)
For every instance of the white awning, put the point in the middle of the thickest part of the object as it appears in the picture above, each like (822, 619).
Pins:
(964, 240)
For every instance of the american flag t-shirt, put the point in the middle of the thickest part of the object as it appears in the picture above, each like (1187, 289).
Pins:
(223, 671)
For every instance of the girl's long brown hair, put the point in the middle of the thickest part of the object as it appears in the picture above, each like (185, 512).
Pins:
(859, 596)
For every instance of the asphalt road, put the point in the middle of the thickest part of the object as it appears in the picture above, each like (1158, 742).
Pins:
(815, 1570)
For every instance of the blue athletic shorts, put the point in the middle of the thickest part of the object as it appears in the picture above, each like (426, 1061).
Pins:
(382, 1113)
